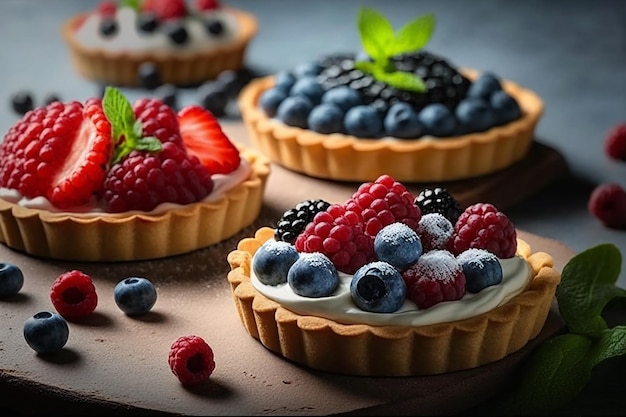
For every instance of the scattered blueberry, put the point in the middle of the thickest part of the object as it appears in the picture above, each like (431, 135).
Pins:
(402, 121)
(343, 96)
(378, 287)
(398, 245)
(309, 87)
(147, 22)
(284, 80)
(135, 295)
(212, 97)
(506, 107)
(11, 280)
(294, 111)
(486, 84)
(46, 332)
(326, 118)
(482, 269)
(272, 261)
(313, 275)
(22, 102)
(271, 99)
(168, 93)
(363, 121)
(475, 115)
(437, 120)
(149, 75)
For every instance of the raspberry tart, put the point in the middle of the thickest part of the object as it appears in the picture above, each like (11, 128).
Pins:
(388, 284)
(105, 180)
(188, 43)
(394, 109)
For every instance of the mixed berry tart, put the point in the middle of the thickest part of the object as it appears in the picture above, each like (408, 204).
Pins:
(393, 109)
(391, 284)
(186, 43)
(104, 180)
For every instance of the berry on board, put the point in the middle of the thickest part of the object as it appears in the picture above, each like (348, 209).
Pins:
(607, 203)
(191, 359)
(73, 294)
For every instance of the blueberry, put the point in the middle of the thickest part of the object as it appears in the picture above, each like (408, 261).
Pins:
(135, 295)
(363, 121)
(11, 280)
(147, 22)
(326, 118)
(402, 121)
(482, 269)
(294, 111)
(486, 84)
(177, 33)
(167, 93)
(46, 332)
(285, 80)
(108, 27)
(214, 27)
(22, 102)
(506, 107)
(213, 98)
(308, 87)
(313, 275)
(437, 120)
(378, 287)
(149, 75)
(230, 82)
(272, 261)
(51, 98)
(343, 96)
(398, 245)
(307, 69)
(271, 99)
(475, 114)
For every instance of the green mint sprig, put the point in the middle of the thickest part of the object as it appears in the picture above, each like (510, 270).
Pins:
(560, 368)
(126, 130)
(133, 4)
(381, 43)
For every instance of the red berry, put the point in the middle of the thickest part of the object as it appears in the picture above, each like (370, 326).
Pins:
(435, 277)
(615, 142)
(158, 120)
(60, 151)
(165, 9)
(204, 138)
(483, 226)
(206, 5)
(191, 359)
(73, 294)
(106, 8)
(383, 202)
(608, 203)
(435, 231)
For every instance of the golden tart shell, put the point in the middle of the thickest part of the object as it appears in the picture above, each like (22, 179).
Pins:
(120, 68)
(347, 158)
(138, 236)
(355, 349)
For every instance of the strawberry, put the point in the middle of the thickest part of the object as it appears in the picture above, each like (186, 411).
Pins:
(204, 138)
(60, 151)
(615, 142)
(206, 5)
(165, 9)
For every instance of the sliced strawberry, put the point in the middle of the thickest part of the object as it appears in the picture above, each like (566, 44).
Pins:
(204, 138)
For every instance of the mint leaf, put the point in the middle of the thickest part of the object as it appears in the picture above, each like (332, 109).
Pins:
(149, 143)
(119, 112)
(398, 79)
(133, 4)
(587, 285)
(412, 37)
(376, 32)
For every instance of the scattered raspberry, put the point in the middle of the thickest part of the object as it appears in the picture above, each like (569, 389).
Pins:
(206, 5)
(435, 231)
(615, 142)
(73, 294)
(482, 226)
(383, 202)
(338, 234)
(106, 8)
(191, 359)
(435, 277)
(158, 120)
(608, 203)
(165, 9)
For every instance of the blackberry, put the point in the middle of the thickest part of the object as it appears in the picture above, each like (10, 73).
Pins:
(439, 200)
(294, 220)
(445, 83)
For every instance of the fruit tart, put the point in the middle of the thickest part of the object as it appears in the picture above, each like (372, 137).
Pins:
(392, 109)
(388, 284)
(188, 43)
(105, 180)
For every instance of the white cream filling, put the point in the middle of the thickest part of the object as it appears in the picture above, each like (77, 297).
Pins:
(129, 39)
(221, 184)
(340, 307)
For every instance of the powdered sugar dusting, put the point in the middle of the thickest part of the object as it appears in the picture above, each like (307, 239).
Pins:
(317, 259)
(397, 234)
(438, 264)
(477, 257)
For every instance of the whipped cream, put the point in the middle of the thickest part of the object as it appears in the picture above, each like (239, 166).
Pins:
(221, 184)
(129, 39)
(340, 307)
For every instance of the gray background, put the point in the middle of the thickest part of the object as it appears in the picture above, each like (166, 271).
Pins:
(572, 53)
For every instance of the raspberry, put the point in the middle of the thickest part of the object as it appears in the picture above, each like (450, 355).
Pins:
(294, 220)
(106, 8)
(483, 226)
(434, 231)
(158, 120)
(165, 9)
(383, 202)
(73, 294)
(607, 202)
(143, 180)
(338, 234)
(615, 142)
(191, 359)
(206, 5)
(435, 277)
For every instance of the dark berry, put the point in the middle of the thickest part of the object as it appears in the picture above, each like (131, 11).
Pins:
(214, 27)
(212, 97)
(484, 86)
(439, 200)
(398, 245)
(51, 98)
(230, 82)
(149, 75)
(272, 261)
(294, 220)
(191, 359)
(294, 111)
(11, 280)
(73, 294)
(313, 275)
(177, 33)
(22, 102)
(135, 295)
(108, 26)
(482, 269)
(147, 22)
(168, 94)
(378, 287)
(46, 332)
(326, 118)
(271, 99)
